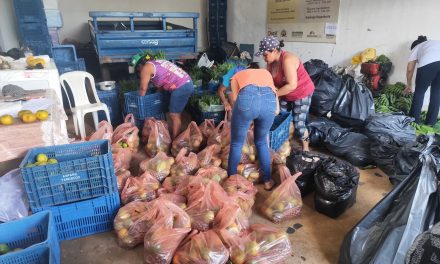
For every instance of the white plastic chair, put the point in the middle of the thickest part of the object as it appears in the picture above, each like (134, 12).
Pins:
(76, 83)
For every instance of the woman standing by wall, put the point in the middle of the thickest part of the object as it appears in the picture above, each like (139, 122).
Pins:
(426, 54)
(292, 81)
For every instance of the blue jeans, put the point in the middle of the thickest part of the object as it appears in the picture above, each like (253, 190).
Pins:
(257, 104)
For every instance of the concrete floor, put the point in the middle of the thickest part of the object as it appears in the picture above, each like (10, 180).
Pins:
(316, 242)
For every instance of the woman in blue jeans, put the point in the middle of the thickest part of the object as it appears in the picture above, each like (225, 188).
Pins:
(254, 94)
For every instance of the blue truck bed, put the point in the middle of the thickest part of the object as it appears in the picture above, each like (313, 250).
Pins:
(118, 36)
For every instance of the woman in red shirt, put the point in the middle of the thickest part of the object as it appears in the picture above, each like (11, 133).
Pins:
(292, 81)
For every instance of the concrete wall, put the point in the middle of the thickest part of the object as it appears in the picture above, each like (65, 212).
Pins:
(76, 14)
(8, 32)
(389, 26)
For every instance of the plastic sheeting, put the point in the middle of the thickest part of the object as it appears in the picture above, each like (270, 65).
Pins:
(386, 233)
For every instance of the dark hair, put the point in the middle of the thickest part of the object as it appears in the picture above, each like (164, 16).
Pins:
(253, 65)
(419, 40)
(281, 45)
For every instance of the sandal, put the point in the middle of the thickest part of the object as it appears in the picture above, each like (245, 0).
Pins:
(269, 185)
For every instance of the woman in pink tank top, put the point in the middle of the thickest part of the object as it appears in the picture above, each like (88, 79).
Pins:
(292, 81)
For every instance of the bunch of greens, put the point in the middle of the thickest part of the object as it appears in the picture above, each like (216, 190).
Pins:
(382, 59)
(219, 70)
(206, 102)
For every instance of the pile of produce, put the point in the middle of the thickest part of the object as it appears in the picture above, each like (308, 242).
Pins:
(166, 197)
(206, 102)
(393, 99)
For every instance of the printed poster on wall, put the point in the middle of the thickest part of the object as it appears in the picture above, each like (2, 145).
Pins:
(303, 20)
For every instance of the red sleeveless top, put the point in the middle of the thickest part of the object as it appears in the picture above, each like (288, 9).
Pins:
(305, 86)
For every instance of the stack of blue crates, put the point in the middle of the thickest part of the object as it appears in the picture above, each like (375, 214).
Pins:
(80, 190)
(110, 98)
(32, 28)
(217, 23)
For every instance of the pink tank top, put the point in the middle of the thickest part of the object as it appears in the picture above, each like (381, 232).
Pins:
(305, 86)
(168, 75)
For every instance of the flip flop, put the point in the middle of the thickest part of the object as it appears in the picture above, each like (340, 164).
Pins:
(271, 188)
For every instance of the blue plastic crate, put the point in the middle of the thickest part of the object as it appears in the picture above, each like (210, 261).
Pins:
(29, 11)
(279, 132)
(146, 106)
(110, 98)
(78, 65)
(85, 218)
(34, 32)
(36, 235)
(140, 122)
(84, 170)
(64, 53)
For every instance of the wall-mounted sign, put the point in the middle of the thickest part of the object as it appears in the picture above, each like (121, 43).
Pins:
(303, 20)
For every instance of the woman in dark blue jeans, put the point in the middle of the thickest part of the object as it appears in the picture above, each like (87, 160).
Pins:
(255, 99)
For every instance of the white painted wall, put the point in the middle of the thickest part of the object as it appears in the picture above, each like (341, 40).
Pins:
(8, 32)
(390, 26)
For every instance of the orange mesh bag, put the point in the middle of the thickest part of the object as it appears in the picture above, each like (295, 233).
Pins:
(250, 171)
(207, 128)
(191, 139)
(213, 172)
(177, 199)
(204, 203)
(267, 245)
(285, 201)
(104, 131)
(141, 188)
(121, 157)
(159, 166)
(163, 238)
(126, 134)
(125, 220)
(202, 248)
(232, 219)
(158, 138)
(210, 156)
(186, 163)
(121, 178)
(221, 135)
(242, 192)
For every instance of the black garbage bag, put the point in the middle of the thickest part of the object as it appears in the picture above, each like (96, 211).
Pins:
(318, 129)
(353, 147)
(305, 162)
(407, 157)
(354, 104)
(426, 247)
(328, 85)
(386, 233)
(388, 134)
(314, 67)
(336, 184)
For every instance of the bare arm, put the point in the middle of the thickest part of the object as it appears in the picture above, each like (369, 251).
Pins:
(291, 64)
(409, 76)
(146, 72)
(221, 93)
(234, 88)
